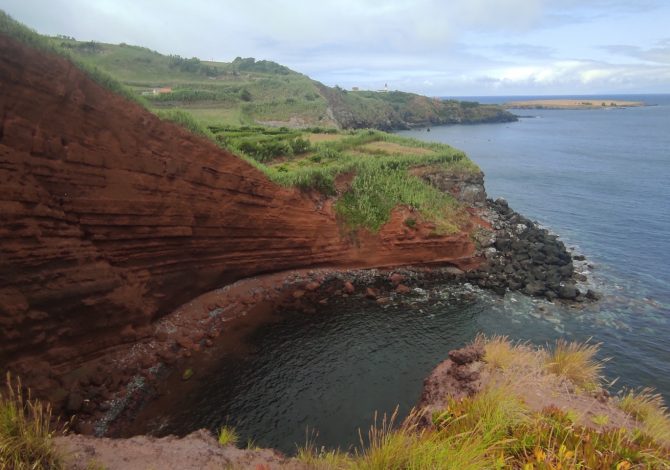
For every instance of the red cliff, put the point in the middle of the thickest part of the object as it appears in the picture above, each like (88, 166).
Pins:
(112, 217)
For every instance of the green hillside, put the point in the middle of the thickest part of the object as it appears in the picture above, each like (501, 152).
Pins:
(250, 92)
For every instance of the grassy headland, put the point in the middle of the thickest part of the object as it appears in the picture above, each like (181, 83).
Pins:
(251, 92)
(376, 162)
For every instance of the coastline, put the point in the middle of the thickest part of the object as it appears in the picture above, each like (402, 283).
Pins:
(573, 104)
(211, 325)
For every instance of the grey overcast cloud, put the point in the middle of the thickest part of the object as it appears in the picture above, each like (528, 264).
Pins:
(434, 47)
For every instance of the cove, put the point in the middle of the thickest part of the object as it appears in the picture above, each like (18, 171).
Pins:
(595, 177)
(324, 374)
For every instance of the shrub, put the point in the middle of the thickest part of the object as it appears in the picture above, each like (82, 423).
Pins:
(300, 145)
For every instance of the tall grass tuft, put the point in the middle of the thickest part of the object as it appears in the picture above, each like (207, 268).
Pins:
(228, 436)
(576, 362)
(648, 408)
(411, 446)
(501, 353)
(26, 436)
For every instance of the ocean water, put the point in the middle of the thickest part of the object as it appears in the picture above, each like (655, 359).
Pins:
(598, 178)
(601, 180)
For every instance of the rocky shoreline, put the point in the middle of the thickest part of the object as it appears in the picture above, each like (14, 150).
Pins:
(522, 256)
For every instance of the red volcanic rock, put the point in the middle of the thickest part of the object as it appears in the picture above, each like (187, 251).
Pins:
(349, 288)
(403, 289)
(112, 218)
(299, 293)
(372, 293)
(396, 278)
(312, 286)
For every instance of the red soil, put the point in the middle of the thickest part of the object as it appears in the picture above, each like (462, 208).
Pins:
(111, 218)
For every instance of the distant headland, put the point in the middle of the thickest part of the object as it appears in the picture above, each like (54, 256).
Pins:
(572, 104)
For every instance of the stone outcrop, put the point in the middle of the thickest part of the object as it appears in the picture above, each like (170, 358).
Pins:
(112, 218)
(524, 256)
(467, 187)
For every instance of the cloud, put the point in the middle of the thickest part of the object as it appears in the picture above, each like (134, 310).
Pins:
(659, 54)
(577, 75)
(528, 51)
(417, 45)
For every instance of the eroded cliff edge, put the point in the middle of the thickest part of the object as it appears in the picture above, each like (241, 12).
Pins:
(113, 218)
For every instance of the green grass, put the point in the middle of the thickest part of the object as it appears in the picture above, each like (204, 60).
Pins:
(26, 436)
(495, 429)
(648, 409)
(228, 436)
(187, 121)
(576, 362)
(248, 91)
(381, 180)
(261, 91)
(18, 31)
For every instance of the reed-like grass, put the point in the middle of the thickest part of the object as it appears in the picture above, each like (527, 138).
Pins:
(576, 362)
(26, 435)
(648, 409)
(228, 436)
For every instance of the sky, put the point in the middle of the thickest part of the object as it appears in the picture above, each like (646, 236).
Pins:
(433, 47)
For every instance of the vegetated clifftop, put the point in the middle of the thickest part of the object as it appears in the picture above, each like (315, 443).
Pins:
(247, 91)
(388, 110)
(112, 218)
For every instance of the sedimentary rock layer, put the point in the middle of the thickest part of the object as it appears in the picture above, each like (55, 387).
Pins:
(112, 218)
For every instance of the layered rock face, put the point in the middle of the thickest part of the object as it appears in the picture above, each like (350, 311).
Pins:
(112, 218)
(466, 187)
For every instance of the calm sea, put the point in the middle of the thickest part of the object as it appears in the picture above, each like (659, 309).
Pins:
(598, 178)
(601, 179)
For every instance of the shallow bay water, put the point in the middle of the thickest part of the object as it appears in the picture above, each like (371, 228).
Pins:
(598, 178)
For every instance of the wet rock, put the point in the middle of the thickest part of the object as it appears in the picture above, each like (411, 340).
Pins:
(568, 292)
(535, 288)
(499, 289)
(593, 295)
(550, 295)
